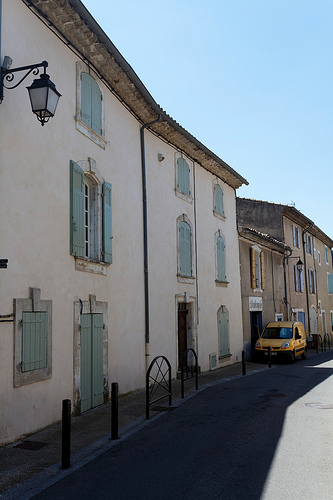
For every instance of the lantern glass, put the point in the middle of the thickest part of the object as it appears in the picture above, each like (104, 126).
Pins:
(44, 98)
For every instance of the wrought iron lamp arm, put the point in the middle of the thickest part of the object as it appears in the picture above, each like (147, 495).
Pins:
(8, 75)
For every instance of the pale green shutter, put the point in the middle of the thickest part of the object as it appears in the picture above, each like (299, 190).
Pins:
(96, 108)
(107, 222)
(220, 249)
(330, 283)
(76, 210)
(185, 249)
(183, 176)
(34, 340)
(86, 102)
(86, 365)
(97, 360)
(218, 199)
(224, 333)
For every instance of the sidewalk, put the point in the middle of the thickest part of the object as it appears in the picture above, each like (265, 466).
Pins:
(38, 457)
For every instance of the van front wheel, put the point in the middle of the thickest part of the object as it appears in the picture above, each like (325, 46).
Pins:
(304, 354)
(293, 357)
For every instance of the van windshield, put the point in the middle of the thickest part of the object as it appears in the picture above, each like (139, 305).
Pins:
(278, 333)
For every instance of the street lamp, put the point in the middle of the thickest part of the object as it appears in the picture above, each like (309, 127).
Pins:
(43, 94)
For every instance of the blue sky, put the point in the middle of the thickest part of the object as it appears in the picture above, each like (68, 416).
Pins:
(251, 79)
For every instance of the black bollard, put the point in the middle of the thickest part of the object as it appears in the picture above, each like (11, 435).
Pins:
(66, 434)
(114, 411)
(269, 357)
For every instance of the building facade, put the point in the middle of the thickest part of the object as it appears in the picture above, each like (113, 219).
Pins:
(262, 283)
(120, 228)
(307, 291)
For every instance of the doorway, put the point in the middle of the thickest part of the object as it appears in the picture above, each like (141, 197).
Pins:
(92, 381)
(182, 331)
(256, 327)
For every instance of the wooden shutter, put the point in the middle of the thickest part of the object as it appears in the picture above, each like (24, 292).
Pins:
(96, 108)
(253, 269)
(218, 199)
(183, 176)
(86, 364)
(86, 103)
(296, 278)
(220, 251)
(34, 340)
(224, 333)
(185, 249)
(262, 270)
(107, 222)
(330, 283)
(97, 360)
(76, 210)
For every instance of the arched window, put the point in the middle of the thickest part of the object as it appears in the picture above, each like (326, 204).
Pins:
(91, 103)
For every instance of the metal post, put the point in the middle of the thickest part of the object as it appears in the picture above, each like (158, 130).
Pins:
(243, 363)
(269, 357)
(114, 410)
(66, 433)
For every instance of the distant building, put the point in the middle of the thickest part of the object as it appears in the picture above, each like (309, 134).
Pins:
(307, 293)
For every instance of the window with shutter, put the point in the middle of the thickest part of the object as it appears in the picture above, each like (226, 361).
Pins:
(91, 216)
(218, 199)
(220, 258)
(34, 340)
(185, 249)
(183, 176)
(91, 103)
(330, 282)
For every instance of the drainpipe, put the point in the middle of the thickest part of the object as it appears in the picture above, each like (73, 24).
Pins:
(145, 235)
(285, 260)
(307, 229)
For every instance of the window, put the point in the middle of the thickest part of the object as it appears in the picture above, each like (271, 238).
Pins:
(296, 239)
(257, 268)
(220, 258)
(183, 176)
(312, 281)
(33, 339)
(218, 200)
(299, 281)
(91, 235)
(309, 244)
(89, 105)
(319, 258)
(223, 331)
(330, 282)
(326, 254)
(185, 257)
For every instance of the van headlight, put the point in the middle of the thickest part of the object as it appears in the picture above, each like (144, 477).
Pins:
(285, 345)
(258, 345)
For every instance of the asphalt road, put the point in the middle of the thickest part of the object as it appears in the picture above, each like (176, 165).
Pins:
(265, 436)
